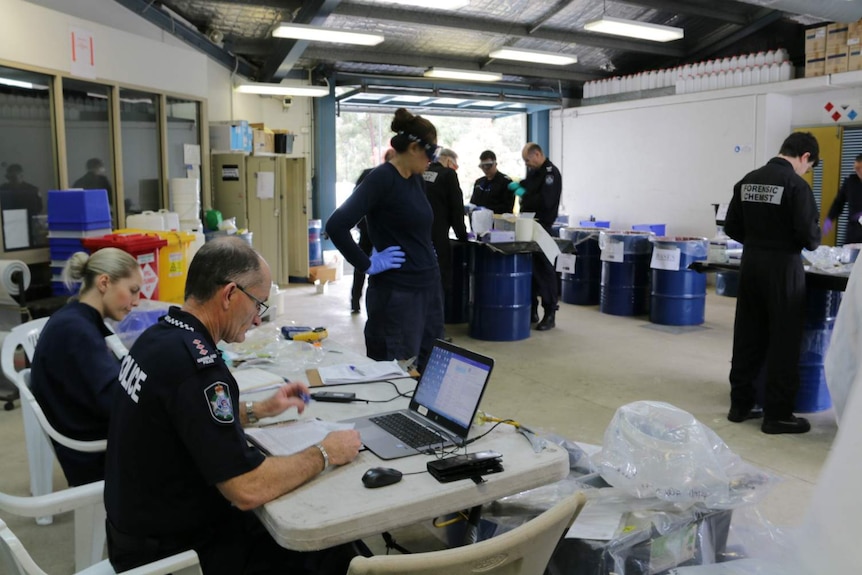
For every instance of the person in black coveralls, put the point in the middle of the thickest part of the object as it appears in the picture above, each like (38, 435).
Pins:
(447, 202)
(180, 473)
(774, 215)
(404, 299)
(543, 186)
(364, 243)
(850, 194)
(95, 178)
(492, 190)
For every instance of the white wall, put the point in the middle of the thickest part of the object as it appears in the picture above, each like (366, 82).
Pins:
(655, 161)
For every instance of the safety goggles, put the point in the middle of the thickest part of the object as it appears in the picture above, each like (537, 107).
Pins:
(432, 151)
(487, 165)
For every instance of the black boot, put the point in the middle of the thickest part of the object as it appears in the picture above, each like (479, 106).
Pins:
(547, 321)
(534, 313)
(354, 305)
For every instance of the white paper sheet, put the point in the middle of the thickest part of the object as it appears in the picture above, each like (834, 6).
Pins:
(16, 229)
(191, 154)
(255, 379)
(266, 185)
(292, 437)
(595, 522)
(348, 373)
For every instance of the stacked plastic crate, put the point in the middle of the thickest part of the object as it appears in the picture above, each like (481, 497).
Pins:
(72, 216)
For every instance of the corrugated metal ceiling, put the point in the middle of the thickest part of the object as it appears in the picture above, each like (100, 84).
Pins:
(417, 38)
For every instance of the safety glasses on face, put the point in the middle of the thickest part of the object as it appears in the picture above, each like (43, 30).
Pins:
(487, 165)
(261, 306)
(432, 151)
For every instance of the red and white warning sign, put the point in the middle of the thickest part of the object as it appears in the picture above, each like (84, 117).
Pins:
(150, 288)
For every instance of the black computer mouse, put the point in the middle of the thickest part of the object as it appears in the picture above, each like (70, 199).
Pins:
(380, 477)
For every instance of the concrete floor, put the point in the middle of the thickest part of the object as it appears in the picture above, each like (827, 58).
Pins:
(569, 381)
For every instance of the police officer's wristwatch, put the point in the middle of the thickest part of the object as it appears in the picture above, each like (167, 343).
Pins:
(249, 412)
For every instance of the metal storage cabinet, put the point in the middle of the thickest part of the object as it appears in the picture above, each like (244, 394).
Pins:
(279, 224)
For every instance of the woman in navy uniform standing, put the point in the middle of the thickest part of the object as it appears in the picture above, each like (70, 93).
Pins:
(404, 300)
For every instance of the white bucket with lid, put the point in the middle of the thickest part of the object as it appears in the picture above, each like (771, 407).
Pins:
(171, 219)
(148, 220)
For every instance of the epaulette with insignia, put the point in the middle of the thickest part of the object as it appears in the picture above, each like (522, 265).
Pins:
(203, 354)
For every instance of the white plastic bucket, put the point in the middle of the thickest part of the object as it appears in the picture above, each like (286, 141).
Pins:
(147, 220)
(171, 219)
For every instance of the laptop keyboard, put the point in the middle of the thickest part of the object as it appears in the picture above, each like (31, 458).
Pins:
(405, 429)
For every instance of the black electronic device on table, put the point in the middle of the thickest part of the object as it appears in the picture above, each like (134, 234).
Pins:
(468, 466)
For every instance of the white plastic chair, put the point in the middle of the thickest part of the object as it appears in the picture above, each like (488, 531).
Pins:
(37, 428)
(17, 561)
(87, 503)
(525, 550)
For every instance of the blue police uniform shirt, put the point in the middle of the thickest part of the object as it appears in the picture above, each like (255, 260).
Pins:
(175, 433)
(398, 214)
(74, 377)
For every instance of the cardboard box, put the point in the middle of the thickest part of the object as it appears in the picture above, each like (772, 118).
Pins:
(854, 58)
(230, 136)
(334, 259)
(498, 236)
(836, 59)
(815, 64)
(854, 34)
(257, 126)
(263, 141)
(836, 35)
(815, 40)
(322, 273)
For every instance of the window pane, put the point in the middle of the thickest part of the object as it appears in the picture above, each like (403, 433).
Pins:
(141, 160)
(87, 110)
(183, 128)
(26, 157)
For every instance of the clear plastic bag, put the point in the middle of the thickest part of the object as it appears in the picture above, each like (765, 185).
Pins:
(653, 449)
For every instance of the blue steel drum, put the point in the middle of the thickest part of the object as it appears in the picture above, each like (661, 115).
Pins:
(820, 311)
(500, 291)
(456, 302)
(727, 283)
(678, 297)
(582, 286)
(624, 288)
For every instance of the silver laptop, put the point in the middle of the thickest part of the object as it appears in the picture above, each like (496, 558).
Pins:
(441, 410)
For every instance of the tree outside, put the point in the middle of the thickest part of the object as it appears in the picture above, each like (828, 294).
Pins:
(362, 139)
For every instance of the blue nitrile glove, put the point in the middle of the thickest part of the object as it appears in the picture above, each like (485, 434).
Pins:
(855, 217)
(827, 226)
(517, 188)
(390, 258)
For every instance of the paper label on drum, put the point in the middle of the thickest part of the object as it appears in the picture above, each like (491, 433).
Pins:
(613, 252)
(665, 259)
(566, 263)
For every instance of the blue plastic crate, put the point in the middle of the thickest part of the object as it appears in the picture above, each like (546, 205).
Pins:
(78, 209)
(657, 229)
(59, 288)
(63, 248)
(595, 224)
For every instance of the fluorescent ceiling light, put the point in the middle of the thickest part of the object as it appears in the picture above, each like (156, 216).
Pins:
(282, 89)
(634, 29)
(533, 56)
(451, 74)
(431, 4)
(321, 34)
(16, 83)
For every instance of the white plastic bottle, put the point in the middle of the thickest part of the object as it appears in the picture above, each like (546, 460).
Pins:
(680, 85)
(785, 70)
(746, 76)
(774, 72)
(722, 80)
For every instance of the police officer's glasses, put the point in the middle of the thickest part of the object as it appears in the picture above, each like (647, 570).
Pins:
(486, 165)
(261, 306)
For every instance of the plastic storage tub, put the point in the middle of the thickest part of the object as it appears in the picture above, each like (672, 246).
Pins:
(78, 210)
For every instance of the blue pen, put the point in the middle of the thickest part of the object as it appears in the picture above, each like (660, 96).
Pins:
(356, 369)
(305, 397)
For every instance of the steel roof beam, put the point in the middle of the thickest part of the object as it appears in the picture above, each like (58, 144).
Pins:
(488, 26)
(720, 41)
(680, 7)
(160, 18)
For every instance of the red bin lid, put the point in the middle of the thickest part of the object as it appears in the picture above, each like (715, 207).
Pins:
(133, 243)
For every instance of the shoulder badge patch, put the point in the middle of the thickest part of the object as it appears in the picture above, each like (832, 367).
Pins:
(549, 179)
(218, 399)
(200, 351)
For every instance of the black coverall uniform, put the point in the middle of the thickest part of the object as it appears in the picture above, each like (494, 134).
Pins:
(774, 215)
(850, 194)
(543, 188)
(447, 202)
(494, 194)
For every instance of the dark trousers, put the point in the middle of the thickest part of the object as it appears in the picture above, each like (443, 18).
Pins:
(356, 291)
(402, 322)
(545, 282)
(238, 547)
(770, 311)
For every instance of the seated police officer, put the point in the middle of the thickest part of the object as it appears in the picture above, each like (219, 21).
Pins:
(179, 473)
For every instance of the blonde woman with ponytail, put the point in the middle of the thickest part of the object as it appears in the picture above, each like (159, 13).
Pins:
(74, 372)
